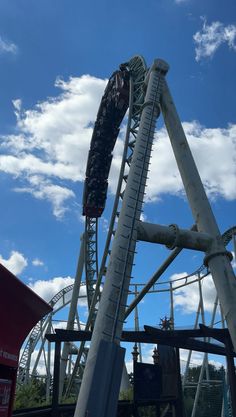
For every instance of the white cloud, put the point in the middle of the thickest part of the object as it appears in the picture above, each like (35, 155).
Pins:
(63, 325)
(41, 367)
(53, 141)
(218, 178)
(186, 299)
(43, 189)
(37, 262)
(7, 46)
(147, 352)
(49, 153)
(143, 217)
(16, 263)
(47, 289)
(211, 37)
(196, 358)
(234, 260)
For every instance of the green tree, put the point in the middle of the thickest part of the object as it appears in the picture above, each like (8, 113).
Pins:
(30, 395)
(211, 394)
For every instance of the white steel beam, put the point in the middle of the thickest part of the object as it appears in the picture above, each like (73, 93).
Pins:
(172, 236)
(95, 391)
(217, 258)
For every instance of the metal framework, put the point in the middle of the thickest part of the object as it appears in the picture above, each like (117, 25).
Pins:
(91, 257)
(64, 298)
(98, 394)
(137, 69)
(148, 95)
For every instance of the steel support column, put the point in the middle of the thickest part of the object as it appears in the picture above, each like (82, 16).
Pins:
(217, 258)
(110, 317)
(72, 313)
(56, 375)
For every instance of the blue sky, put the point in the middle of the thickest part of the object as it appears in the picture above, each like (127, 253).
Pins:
(54, 59)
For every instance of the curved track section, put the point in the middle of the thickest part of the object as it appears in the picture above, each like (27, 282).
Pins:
(63, 298)
(111, 112)
(124, 90)
(58, 301)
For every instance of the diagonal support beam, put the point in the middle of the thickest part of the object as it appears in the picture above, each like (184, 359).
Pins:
(152, 281)
(217, 258)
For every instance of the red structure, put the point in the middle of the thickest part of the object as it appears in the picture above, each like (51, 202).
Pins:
(20, 310)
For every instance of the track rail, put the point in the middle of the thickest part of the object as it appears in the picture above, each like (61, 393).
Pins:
(60, 300)
(137, 70)
(38, 332)
(91, 256)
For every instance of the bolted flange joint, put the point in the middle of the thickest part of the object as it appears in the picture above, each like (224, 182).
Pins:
(217, 253)
(175, 230)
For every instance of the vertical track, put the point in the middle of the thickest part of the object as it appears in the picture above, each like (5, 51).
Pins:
(137, 69)
(91, 256)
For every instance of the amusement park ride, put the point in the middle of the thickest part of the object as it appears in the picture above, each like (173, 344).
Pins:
(144, 93)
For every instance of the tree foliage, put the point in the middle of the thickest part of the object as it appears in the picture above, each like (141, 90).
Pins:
(211, 393)
(30, 395)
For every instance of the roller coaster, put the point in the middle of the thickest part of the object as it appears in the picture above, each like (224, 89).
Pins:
(144, 93)
(113, 107)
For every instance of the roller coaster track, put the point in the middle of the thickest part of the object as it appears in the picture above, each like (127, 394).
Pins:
(60, 298)
(137, 69)
(94, 275)
(132, 129)
(201, 272)
(228, 235)
(91, 256)
(39, 330)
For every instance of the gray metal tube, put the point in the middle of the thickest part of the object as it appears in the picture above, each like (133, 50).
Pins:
(204, 362)
(190, 351)
(175, 252)
(172, 306)
(204, 321)
(72, 313)
(217, 257)
(152, 281)
(136, 326)
(48, 380)
(173, 236)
